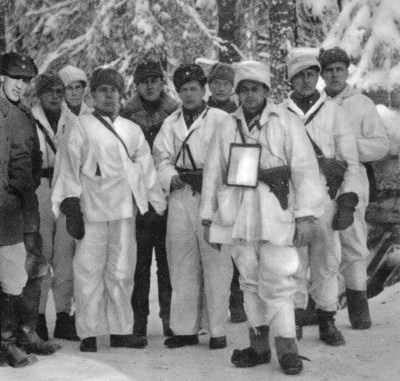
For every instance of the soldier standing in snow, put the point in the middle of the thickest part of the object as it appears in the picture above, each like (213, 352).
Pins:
(54, 122)
(19, 222)
(106, 175)
(258, 223)
(148, 109)
(329, 131)
(220, 82)
(196, 269)
(75, 82)
(372, 144)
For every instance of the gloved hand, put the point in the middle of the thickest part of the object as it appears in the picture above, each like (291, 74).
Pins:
(72, 210)
(346, 206)
(303, 231)
(33, 243)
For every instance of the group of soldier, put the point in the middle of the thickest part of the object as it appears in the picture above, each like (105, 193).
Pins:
(250, 209)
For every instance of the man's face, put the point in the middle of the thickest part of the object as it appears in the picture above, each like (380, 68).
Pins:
(74, 94)
(106, 99)
(151, 88)
(252, 95)
(52, 98)
(14, 88)
(335, 76)
(191, 94)
(305, 82)
(221, 89)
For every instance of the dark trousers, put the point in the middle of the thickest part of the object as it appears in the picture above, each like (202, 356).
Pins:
(150, 233)
(236, 296)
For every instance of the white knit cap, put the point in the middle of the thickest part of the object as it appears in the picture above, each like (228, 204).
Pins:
(252, 71)
(70, 74)
(299, 59)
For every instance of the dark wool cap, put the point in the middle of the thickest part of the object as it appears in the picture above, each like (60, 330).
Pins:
(188, 73)
(46, 81)
(146, 69)
(108, 76)
(329, 56)
(221, 71)
(18, 65)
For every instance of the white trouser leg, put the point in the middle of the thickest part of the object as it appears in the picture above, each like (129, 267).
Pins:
(302, 279)
(277, 286)
(355, 252)
(246, 259)
(118, 274)
(89, 264)
(13, 275)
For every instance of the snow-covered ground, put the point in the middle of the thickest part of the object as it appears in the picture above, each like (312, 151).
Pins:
(367, 355)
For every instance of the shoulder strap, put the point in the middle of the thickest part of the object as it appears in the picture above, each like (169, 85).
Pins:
(48, 138)
(184, 146)
(109, 128)
(240, 129)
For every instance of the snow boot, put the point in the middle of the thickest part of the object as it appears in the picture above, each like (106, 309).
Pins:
(218, 342)
(328, 332)
(14, 356)
(259, 351)
(128, 341)
(88, 345)
(357, 308)
(41, 327)
(288, 356)
(65, 327)
(178, 341)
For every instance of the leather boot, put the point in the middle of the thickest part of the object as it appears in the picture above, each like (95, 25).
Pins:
(167, 331)
(128, 341)
(10, 352)
(288, 356)
(259, 351)
(140, 325)
(327, 329)
(41, 327)
(65, 327)
(357, 308)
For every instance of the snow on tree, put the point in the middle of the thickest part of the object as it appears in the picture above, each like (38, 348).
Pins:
(369, 31)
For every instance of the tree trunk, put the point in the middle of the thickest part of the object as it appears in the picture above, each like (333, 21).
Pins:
(282, 16)
(3, 45)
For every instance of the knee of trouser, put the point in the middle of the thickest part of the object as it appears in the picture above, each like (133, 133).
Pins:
(281, 260)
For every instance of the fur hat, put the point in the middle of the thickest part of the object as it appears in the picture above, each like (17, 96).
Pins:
(221, 71)
(70, 74)
(46, 81)
(107, 76)
(18, 65)
(329, 56)
(147, 68)
(252, 71)
(299, 59)
(188, 73)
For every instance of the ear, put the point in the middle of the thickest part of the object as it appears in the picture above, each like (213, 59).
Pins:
(1, 78)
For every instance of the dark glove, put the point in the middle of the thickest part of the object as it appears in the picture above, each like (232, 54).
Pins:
(193, 177)
(304, 231)
(72, 210)
(346, 206)
(33, 243)
(277, 179)
(334, 171)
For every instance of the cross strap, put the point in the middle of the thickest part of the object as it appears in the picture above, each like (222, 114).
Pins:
(48, 138)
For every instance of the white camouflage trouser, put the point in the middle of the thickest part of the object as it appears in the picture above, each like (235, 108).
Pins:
(266, 278)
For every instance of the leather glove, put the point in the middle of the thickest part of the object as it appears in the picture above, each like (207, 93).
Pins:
(72, 210)
(303, 231)
(346, 206)
(33, 243)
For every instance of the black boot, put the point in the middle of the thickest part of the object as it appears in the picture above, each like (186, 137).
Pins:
(218, 342)
(140, 325)
(288, 356)
(65, 327)
(259, 351)
(178, 341)
(88, 345)
(41, 327)
(128, 341)
(167, 331)
(357, 307)
(327, 329)
(12, 355)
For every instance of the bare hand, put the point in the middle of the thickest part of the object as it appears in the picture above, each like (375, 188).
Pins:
(176, 182)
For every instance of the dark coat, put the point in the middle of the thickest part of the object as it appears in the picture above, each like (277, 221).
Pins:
(19, 213)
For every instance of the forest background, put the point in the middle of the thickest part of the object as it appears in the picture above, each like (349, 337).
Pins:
(119, 33)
